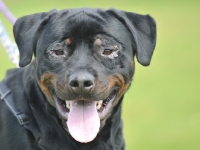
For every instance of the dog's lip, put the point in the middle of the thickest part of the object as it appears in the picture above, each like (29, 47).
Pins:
(106, 105)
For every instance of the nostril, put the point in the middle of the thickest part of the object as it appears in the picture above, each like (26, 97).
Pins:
(74, 83)
(88, 83)
(81, 81)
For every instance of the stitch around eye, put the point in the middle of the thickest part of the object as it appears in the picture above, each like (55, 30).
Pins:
(111, 53)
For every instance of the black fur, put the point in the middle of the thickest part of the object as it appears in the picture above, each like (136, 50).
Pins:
(38, 34)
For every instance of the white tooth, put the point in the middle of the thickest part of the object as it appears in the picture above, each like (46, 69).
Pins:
(67, 104)
(99, 104)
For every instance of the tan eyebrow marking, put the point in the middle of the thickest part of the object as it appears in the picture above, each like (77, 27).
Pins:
(68, 41)
(98, 42)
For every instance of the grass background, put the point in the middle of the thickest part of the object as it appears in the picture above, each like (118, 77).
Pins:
(161, 111)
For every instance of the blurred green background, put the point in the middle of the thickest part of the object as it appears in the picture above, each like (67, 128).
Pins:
(161, 111)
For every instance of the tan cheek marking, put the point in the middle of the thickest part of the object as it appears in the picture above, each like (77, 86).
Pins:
(46, 80)
(68, 41)
(98, 42)
(118, 79)
(120, 93)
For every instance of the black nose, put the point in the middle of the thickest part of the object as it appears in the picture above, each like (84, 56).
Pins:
(81, 82)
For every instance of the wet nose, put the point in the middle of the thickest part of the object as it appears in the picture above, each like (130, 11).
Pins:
(81, 82)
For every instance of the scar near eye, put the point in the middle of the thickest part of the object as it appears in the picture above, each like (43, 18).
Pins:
(111, 52)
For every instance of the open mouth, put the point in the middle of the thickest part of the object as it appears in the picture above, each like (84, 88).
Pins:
(83, 116)
(102, 106)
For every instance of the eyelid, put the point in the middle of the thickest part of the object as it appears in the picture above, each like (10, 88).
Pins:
(54, 48)
(56, 45)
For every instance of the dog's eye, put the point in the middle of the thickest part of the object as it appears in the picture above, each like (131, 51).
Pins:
(107, 52)
(111, 52)
(59, 52)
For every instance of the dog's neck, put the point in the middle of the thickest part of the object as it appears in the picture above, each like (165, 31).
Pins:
(111, 133)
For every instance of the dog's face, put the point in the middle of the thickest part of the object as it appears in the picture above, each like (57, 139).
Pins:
(84, 61)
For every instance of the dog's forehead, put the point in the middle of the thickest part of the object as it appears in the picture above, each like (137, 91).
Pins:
(83, 13)
(86, 22)
(81, 21)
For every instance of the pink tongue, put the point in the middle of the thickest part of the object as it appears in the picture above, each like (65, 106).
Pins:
(83, 121)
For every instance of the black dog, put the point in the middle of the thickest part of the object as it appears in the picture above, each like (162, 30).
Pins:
(69, 97)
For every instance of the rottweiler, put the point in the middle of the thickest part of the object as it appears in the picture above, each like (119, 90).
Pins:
(69, 97)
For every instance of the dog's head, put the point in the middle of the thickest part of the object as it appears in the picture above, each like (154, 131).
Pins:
(84, 61)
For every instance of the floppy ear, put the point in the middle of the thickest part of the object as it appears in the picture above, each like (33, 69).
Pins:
(26, 31)
(143, 30)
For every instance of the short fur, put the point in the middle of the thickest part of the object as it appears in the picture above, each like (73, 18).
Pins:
(34, 85)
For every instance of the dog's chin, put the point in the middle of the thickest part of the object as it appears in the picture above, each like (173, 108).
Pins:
(84, 118)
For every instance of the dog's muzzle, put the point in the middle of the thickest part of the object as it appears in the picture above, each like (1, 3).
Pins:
(81, 114)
